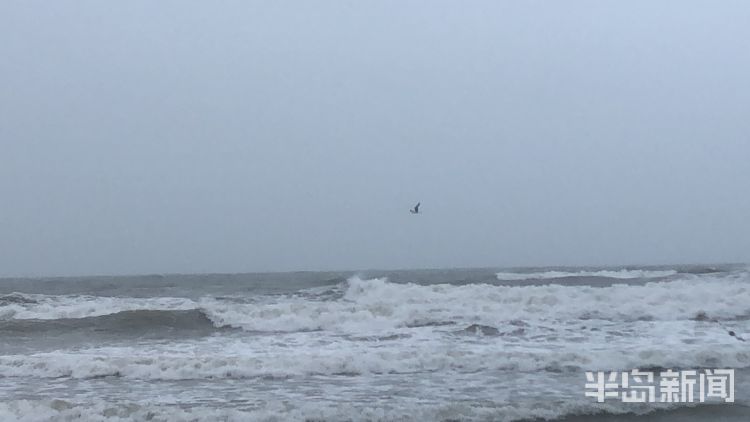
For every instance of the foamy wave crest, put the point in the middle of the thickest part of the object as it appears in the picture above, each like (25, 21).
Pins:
(126, 364)
(241, 360)
(620, 274)
(377, 305)
(44, 307)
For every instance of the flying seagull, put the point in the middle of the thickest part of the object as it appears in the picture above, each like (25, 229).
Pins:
(415, 210)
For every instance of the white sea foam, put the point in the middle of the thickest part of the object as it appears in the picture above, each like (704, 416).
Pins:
(617, 274)
(377, 305)
(46, 307)
(401, 410)
(304, 354)
(372, 329)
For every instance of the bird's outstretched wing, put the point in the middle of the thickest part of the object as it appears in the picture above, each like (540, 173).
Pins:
(416, 207)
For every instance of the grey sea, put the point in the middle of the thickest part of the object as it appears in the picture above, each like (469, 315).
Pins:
(424, 345)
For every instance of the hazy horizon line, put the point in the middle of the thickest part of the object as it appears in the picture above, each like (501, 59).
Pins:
(354, 271)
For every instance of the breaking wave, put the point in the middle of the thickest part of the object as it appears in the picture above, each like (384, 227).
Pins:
(49, 307)
(376, 305)
(235, 360)
(358, 331)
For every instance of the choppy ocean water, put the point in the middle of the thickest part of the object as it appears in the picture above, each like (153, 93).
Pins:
(464, 344)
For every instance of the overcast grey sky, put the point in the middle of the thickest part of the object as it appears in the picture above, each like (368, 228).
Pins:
(229, 136)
